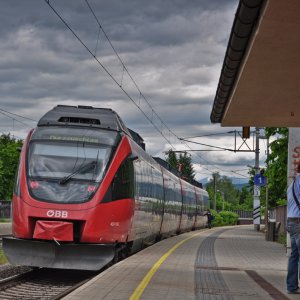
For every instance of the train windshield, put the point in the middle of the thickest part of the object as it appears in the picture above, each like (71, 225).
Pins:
(66, 161)
(66, 165)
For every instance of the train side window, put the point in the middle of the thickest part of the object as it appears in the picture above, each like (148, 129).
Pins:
(17, 189)
(122, 184)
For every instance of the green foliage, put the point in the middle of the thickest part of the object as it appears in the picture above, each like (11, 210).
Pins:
(281, 202)
(3, 259)
(183, 163)
(187, 170)
(251, 173)
(282, 238)
(224, 218)
(229, 218)
(276, 171)
(245, 198)
(172, 159)
(227, 196)
(9, 158)
(218, 220)
(5, 220)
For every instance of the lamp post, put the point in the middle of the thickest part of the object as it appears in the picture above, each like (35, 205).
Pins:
(267, 189)
(223, 204)
(215, 191)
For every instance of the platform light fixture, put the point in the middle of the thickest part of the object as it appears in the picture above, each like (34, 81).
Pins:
(246, 133)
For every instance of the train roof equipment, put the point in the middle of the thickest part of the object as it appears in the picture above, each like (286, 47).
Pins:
(83, 116)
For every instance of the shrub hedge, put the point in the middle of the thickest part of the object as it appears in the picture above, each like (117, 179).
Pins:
(224, 218)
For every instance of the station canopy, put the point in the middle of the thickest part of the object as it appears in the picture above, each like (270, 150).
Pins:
(259, 85)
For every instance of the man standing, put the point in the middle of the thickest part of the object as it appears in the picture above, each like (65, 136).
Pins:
(210, 217)
(293, 227)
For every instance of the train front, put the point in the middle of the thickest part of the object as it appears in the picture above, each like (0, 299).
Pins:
(63, 215)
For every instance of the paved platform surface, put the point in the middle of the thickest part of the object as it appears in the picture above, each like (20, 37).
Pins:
(220, 263)
(5, 228)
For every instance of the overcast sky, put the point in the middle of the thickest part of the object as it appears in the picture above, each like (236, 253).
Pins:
(173, 49)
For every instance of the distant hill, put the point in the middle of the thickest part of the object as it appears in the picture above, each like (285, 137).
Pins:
(239, 186)
(238, 183)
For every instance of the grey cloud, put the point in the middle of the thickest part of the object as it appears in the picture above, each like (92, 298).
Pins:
(173, 49)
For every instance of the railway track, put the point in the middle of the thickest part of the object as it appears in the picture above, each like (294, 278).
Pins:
(19, 282)
(46, 284)
(2, 236)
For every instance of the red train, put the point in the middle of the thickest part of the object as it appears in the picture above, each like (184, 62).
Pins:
(86, 193)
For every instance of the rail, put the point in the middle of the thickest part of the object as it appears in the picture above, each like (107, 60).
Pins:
(43, 284)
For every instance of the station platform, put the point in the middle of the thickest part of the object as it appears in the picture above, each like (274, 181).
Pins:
(220, 263)
(5, 228)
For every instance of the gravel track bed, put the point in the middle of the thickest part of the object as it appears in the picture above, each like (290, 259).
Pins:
(44, 284)
(8, 270)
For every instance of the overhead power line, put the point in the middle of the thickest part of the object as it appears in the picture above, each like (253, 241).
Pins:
(114, 79)
(153, 112)
(209, 134)
(161, 126)
(140, 92)
(14, 119)
(240, 174)
(26, 118)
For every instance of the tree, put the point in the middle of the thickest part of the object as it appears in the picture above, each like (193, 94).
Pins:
(276, 170)
(186, 166)
(227, 196)
(246, 197)
(183, 164)
(9, 158)
(229, 191)
(172, 159)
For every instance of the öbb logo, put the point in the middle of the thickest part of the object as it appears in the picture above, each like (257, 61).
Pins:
(57, 214)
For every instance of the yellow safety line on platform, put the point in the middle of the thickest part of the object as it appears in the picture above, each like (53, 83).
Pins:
(141, 287)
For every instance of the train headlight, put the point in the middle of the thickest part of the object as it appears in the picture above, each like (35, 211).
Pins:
(34, 185)
(91, 188)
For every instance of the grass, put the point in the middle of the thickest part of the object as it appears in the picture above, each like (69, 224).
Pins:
(282, 238)
(5, 220)
(3, 259)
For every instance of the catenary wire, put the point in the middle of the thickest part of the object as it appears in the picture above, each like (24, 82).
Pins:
(7, 115)
(121, 87)
(3, 110)
(108, 73)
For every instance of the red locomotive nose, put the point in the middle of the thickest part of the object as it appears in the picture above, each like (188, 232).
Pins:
(53, 230)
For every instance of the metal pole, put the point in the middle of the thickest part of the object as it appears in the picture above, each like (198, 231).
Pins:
(256, 150)
(215, 192)
(223, 201)
(256, 201)
(267, 196)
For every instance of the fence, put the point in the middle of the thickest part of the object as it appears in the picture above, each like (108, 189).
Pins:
(244, 214)
(5, 207)
(278, 214)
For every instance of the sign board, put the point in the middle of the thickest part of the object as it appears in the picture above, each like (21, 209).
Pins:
(260, 180)
(256, 191)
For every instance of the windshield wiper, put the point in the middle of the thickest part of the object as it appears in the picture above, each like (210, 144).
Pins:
(81, 168)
